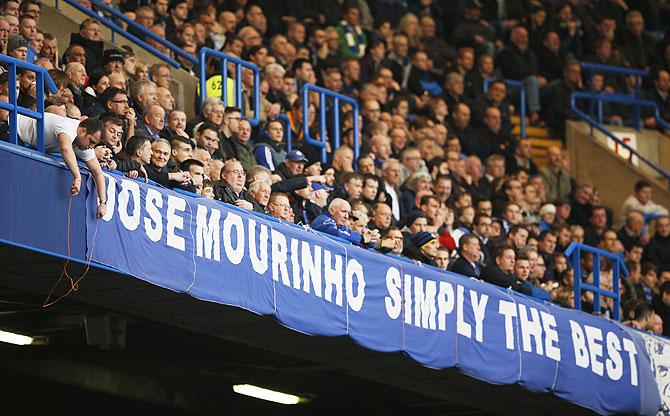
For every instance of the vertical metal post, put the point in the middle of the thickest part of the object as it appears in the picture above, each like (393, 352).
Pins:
(39, 78)
(356, 131)
(616, 275)
(238, 88)
(257, 97)
(577, 278)
(13, 119)
(203, 77)
(596, 282)
(224, 81)
(336, 124)
(322, 126)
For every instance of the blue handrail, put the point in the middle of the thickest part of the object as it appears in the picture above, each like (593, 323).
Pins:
(288, 135)
(522, 99)
(239, 64)
(594, 68)
(41, 75)
(116, 28)
(323, 94)
(598, 126)
(573, 252)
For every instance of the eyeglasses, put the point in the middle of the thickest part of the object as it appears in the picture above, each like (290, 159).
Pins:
(237, 172)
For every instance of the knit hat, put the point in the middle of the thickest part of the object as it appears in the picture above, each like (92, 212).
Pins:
(410, 218)
(547, 208)
(422, 238)
(16, 42)
(111, 55)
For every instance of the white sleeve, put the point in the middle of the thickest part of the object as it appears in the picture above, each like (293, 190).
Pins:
(84, 155)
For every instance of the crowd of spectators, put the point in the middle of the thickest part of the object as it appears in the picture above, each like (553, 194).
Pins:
(440, 179)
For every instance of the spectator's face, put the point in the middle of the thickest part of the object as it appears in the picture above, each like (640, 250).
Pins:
(599, 218)
(180, 11)
(352, 16)
(573, 74)
(412, 160)
(156, 118)
(636, 25)
(421, 61)
(4, 31)
(161, 7)
(512, 214)
(13, 24)
(493, 120)
(149, 97)
(663, 226)
(497, 169)
(232, 121)
(431, 208)
(20, 53)
(145, 153)
(353, 71)
(340, 213)
(26, 81)
(577, 235)
(370, 189)
(244, 131)
(398, 139)
(383, 216)
(400, 46)
(276, 132)
(12, 9)
(548, 245)
(483, 228)
(461, 116)
(34, 11)
(162, 77)
(467, 60)
(235, 176)
(101, 86)
(471, 249)
(354, 188)
(663, 82)
(295, 167)
(635, 222)
(209, 140)
(160, 154)
(430, 249)
(456, 86)
(297, 34)
(182, 152)
(177, 120)
(506, 261)
(28, 28)
(552, 42)
(113, 135)
(497, 92)
(145, 18)
(519, 238)
(279, 208)
(91, 32)
(165, 99)
(522, 269)
(117, 80)
(366, 165)
(85, 141)
(78, 75)
(392, 174)
(118, 104)
(197, 174)
(485, 207)
(262, 194)
(520, 38)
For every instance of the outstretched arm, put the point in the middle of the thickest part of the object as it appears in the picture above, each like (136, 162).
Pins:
(99, 178)
(70, 160)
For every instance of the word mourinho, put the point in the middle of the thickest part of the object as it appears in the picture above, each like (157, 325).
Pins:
(333, 275)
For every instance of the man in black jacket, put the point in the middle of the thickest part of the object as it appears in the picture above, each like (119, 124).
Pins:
(231, 190)
(500, 273)
(467, 263)
(658, 249)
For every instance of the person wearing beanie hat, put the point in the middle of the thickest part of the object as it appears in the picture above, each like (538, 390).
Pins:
(112, 60)
(426, 245)
(547, 216)
(17, 47)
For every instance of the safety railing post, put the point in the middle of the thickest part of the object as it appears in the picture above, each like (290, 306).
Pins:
(616, 282)
(13, 117)
(39, 80)
(336, 125)
(577, 278)
(596, 283)
(637, 121)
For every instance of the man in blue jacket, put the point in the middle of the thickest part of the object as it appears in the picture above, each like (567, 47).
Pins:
(336, 223)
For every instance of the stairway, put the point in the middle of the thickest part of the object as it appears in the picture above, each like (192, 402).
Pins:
(539, 138)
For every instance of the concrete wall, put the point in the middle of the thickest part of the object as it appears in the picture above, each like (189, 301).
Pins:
(615, 177)
(61, 23)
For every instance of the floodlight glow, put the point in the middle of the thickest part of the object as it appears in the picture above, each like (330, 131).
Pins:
(16, 339)
(265, 394)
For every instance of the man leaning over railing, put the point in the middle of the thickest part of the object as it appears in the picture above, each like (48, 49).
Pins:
(74, 139)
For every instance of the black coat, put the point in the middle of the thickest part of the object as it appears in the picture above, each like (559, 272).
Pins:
(463, 267)
(658, 252)
(494, 275)
(223, 192)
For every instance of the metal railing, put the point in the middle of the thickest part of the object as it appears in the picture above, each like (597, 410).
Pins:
(595, 124)
(522, 99)
(322, 119)
(573, 253)
(239, 65)
(115, 28)
(41, 75)
(594, 68)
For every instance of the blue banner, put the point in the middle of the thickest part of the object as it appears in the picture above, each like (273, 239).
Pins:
(319, 286)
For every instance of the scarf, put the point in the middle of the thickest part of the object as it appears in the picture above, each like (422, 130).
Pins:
(355, 44)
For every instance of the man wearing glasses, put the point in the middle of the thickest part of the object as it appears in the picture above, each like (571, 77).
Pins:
(230, 188)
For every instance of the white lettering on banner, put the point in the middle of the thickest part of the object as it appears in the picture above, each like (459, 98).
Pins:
(175, 222)
(258, 262)
(111, 197)
(588, 347)
(462, 327)
(128, 189)
(426, 303)
(234, 254)
(445, 304)
(207, 236)
(354, 268)
(538, 330)
(279, 257)
(153, 226)
(393, 301)
(311, 269)
(508, 310)
(295, 265)
(333, 277)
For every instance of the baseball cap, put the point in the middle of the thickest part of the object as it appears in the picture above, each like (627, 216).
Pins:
(296, 156)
